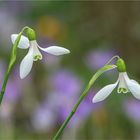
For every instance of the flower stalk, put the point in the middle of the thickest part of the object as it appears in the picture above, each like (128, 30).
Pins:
(11, 63)
(91, 82)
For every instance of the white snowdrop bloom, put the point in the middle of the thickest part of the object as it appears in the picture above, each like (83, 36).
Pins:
(124, 84)
(34, 53)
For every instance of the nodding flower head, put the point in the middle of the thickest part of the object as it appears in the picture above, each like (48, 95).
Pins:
(34, 53)
(124, 84)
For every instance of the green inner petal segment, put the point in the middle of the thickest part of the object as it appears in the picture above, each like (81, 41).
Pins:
(37, 57)
(122, 90)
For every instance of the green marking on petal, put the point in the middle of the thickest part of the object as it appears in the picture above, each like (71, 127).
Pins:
(119, 90)
(125, 90)
(122, 90)
(37, 57)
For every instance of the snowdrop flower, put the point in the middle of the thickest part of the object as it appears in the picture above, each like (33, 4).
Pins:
(34, 53)
(124, 83)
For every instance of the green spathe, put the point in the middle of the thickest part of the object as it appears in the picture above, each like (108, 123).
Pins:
(121, 65)
(31, 34)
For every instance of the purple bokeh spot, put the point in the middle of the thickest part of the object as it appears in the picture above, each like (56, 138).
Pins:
(132, 109)
(98, 58)
(66, 82)
(43, 118)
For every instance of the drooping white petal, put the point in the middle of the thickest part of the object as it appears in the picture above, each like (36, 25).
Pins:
(23, 43)
(134, 81)
(26, 64)
(104, 93)
(134, 88)
(55, 50)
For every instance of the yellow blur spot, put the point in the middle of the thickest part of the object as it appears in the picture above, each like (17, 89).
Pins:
(100, 117)
(51, 27)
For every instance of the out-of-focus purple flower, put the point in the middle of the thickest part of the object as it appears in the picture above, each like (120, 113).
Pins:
(132, 109)
(6, 31)
(84, 110)
(67, 87)
(14, 86)
(66, 82)
(66, 104)
(13, 91)
(6, 110)
(60, 101)
(98, 58)
(43, 118)
(86, 106)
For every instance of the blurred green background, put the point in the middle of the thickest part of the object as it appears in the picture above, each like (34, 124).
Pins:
(34, 108)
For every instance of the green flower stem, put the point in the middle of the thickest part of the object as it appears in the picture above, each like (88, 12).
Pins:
(11, 63)
(116, 56)
(93, 79)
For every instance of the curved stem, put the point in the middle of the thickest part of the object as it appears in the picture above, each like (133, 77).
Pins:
(93, 79)
(11, 64)
(116, 56)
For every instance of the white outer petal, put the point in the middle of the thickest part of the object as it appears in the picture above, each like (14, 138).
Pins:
(55, 50)
(134, 81)
(23, 43)
(134, 87)
(104, 93)
(26, 64)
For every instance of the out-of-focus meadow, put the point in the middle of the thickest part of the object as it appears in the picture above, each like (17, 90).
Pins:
(34, 108)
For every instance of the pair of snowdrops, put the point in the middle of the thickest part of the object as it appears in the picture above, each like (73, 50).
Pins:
(124, 83)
